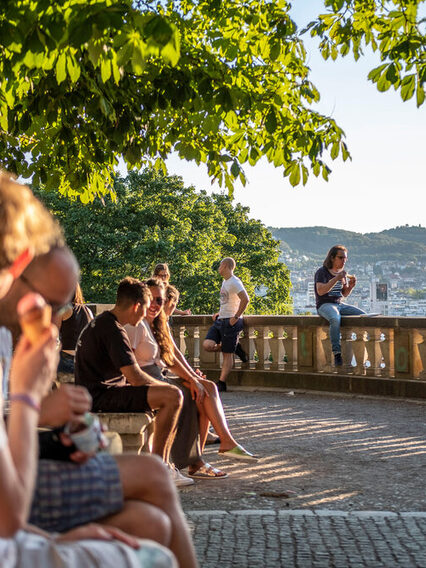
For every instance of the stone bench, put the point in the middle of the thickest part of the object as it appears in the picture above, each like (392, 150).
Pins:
(134, 428)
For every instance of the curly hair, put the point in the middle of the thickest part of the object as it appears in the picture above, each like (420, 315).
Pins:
(24, 223)
(160, 329)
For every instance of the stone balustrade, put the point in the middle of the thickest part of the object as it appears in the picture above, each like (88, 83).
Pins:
(381, 355)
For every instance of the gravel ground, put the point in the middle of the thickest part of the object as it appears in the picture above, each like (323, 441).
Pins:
(319, 452)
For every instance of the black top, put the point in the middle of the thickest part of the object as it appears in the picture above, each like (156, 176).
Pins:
(333, 296)
(74, 325)
(102, 349)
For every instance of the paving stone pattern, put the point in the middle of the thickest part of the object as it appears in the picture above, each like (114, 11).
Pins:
(340, 483)
(301, 540)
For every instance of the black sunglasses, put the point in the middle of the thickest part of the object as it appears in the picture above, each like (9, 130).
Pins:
(57, 309)
(158, 300)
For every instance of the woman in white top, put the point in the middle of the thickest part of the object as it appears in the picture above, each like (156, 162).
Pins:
(154, 350)
(26, 228)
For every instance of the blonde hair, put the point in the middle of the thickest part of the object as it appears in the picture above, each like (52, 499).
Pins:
(24, 223)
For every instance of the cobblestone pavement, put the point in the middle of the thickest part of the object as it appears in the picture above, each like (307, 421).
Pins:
(340, 482)
(303, 539)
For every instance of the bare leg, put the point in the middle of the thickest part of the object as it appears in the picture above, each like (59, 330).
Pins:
(228, 361)
(168, 401)
(142, 520)
(212, 408)
(146, 479)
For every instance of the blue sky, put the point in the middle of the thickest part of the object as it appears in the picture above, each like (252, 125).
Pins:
(382, 187)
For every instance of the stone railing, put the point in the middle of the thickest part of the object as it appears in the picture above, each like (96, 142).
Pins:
(371, 346)
(295, 351)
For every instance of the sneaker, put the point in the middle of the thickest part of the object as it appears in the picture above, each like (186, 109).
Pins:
(239, 352)
(221, 386)
(179, 479)
(338, 361)
(239, 453)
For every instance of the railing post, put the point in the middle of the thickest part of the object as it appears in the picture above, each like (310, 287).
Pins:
(276, 346)
(290, 342)
(402, 353)
(347, 350)
(359, 350)
(259, 342)
(388, 351)
(418, 353)
(373, 345)
(306, 340)
(323, 350)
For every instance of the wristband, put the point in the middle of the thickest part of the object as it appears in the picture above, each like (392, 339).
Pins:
(26, 399)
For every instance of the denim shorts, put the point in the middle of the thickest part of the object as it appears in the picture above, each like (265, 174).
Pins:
(222, 332)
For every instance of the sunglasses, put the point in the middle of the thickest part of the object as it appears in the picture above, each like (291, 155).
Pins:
(57, 309)
(345, 257)
(159, 300)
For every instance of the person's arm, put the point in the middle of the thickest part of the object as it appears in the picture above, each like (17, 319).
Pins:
(137, 377)
(325, 287)
(349, 286)
(244, 302)
(183, 312)
(65, 404)
(31, 374)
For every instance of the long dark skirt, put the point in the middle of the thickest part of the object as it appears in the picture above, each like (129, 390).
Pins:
(186, 448)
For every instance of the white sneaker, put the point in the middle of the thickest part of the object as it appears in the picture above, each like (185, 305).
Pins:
(179, 479)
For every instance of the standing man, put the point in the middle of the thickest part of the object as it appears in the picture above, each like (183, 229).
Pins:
(228, 322)
(332, 283)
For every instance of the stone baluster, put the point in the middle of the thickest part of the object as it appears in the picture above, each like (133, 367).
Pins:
(190, 339)
(246, 345)
(276, 347)
(323, 351)
(208, 360)
(402, 353)
(290, 347)
(418, 352)
(373, 345)
(261, 345)
(387, 347)
(359, 351)
(347, 351)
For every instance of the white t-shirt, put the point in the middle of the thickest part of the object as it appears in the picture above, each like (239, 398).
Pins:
(142, 340)
(229, 299)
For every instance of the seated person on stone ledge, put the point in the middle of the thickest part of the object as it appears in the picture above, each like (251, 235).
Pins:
(73, 323)
(155, 352)
(106, 366)
(27, 229)
(130, 492)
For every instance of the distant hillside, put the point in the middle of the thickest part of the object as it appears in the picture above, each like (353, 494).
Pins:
(400, 243)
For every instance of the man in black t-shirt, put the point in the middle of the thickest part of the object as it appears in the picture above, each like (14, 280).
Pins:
(106, 366)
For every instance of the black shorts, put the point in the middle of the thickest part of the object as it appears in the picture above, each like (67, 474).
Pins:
(121, 399)
(222, 332)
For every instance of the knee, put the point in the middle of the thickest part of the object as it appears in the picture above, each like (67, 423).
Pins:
(160, 526)
(209, 345)
(174, 397)
(210, 387)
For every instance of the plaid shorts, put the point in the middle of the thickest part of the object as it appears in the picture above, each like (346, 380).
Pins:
(67, 495)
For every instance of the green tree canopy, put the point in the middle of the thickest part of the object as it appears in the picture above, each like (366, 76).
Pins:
(84, 82)
(157, 219)
(393, 28)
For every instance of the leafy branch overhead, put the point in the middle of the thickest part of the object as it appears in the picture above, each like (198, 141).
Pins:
(393, 28)
(85, 82)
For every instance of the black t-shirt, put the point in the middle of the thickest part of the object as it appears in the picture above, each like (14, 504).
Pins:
(333, 296)
(102, 349)
(73, 326)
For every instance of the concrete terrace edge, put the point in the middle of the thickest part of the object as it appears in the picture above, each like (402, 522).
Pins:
(329, 382)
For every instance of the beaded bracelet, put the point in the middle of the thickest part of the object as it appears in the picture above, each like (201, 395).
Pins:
(26, 399)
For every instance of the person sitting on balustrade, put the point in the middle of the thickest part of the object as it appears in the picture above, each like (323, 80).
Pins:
(332, 283)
